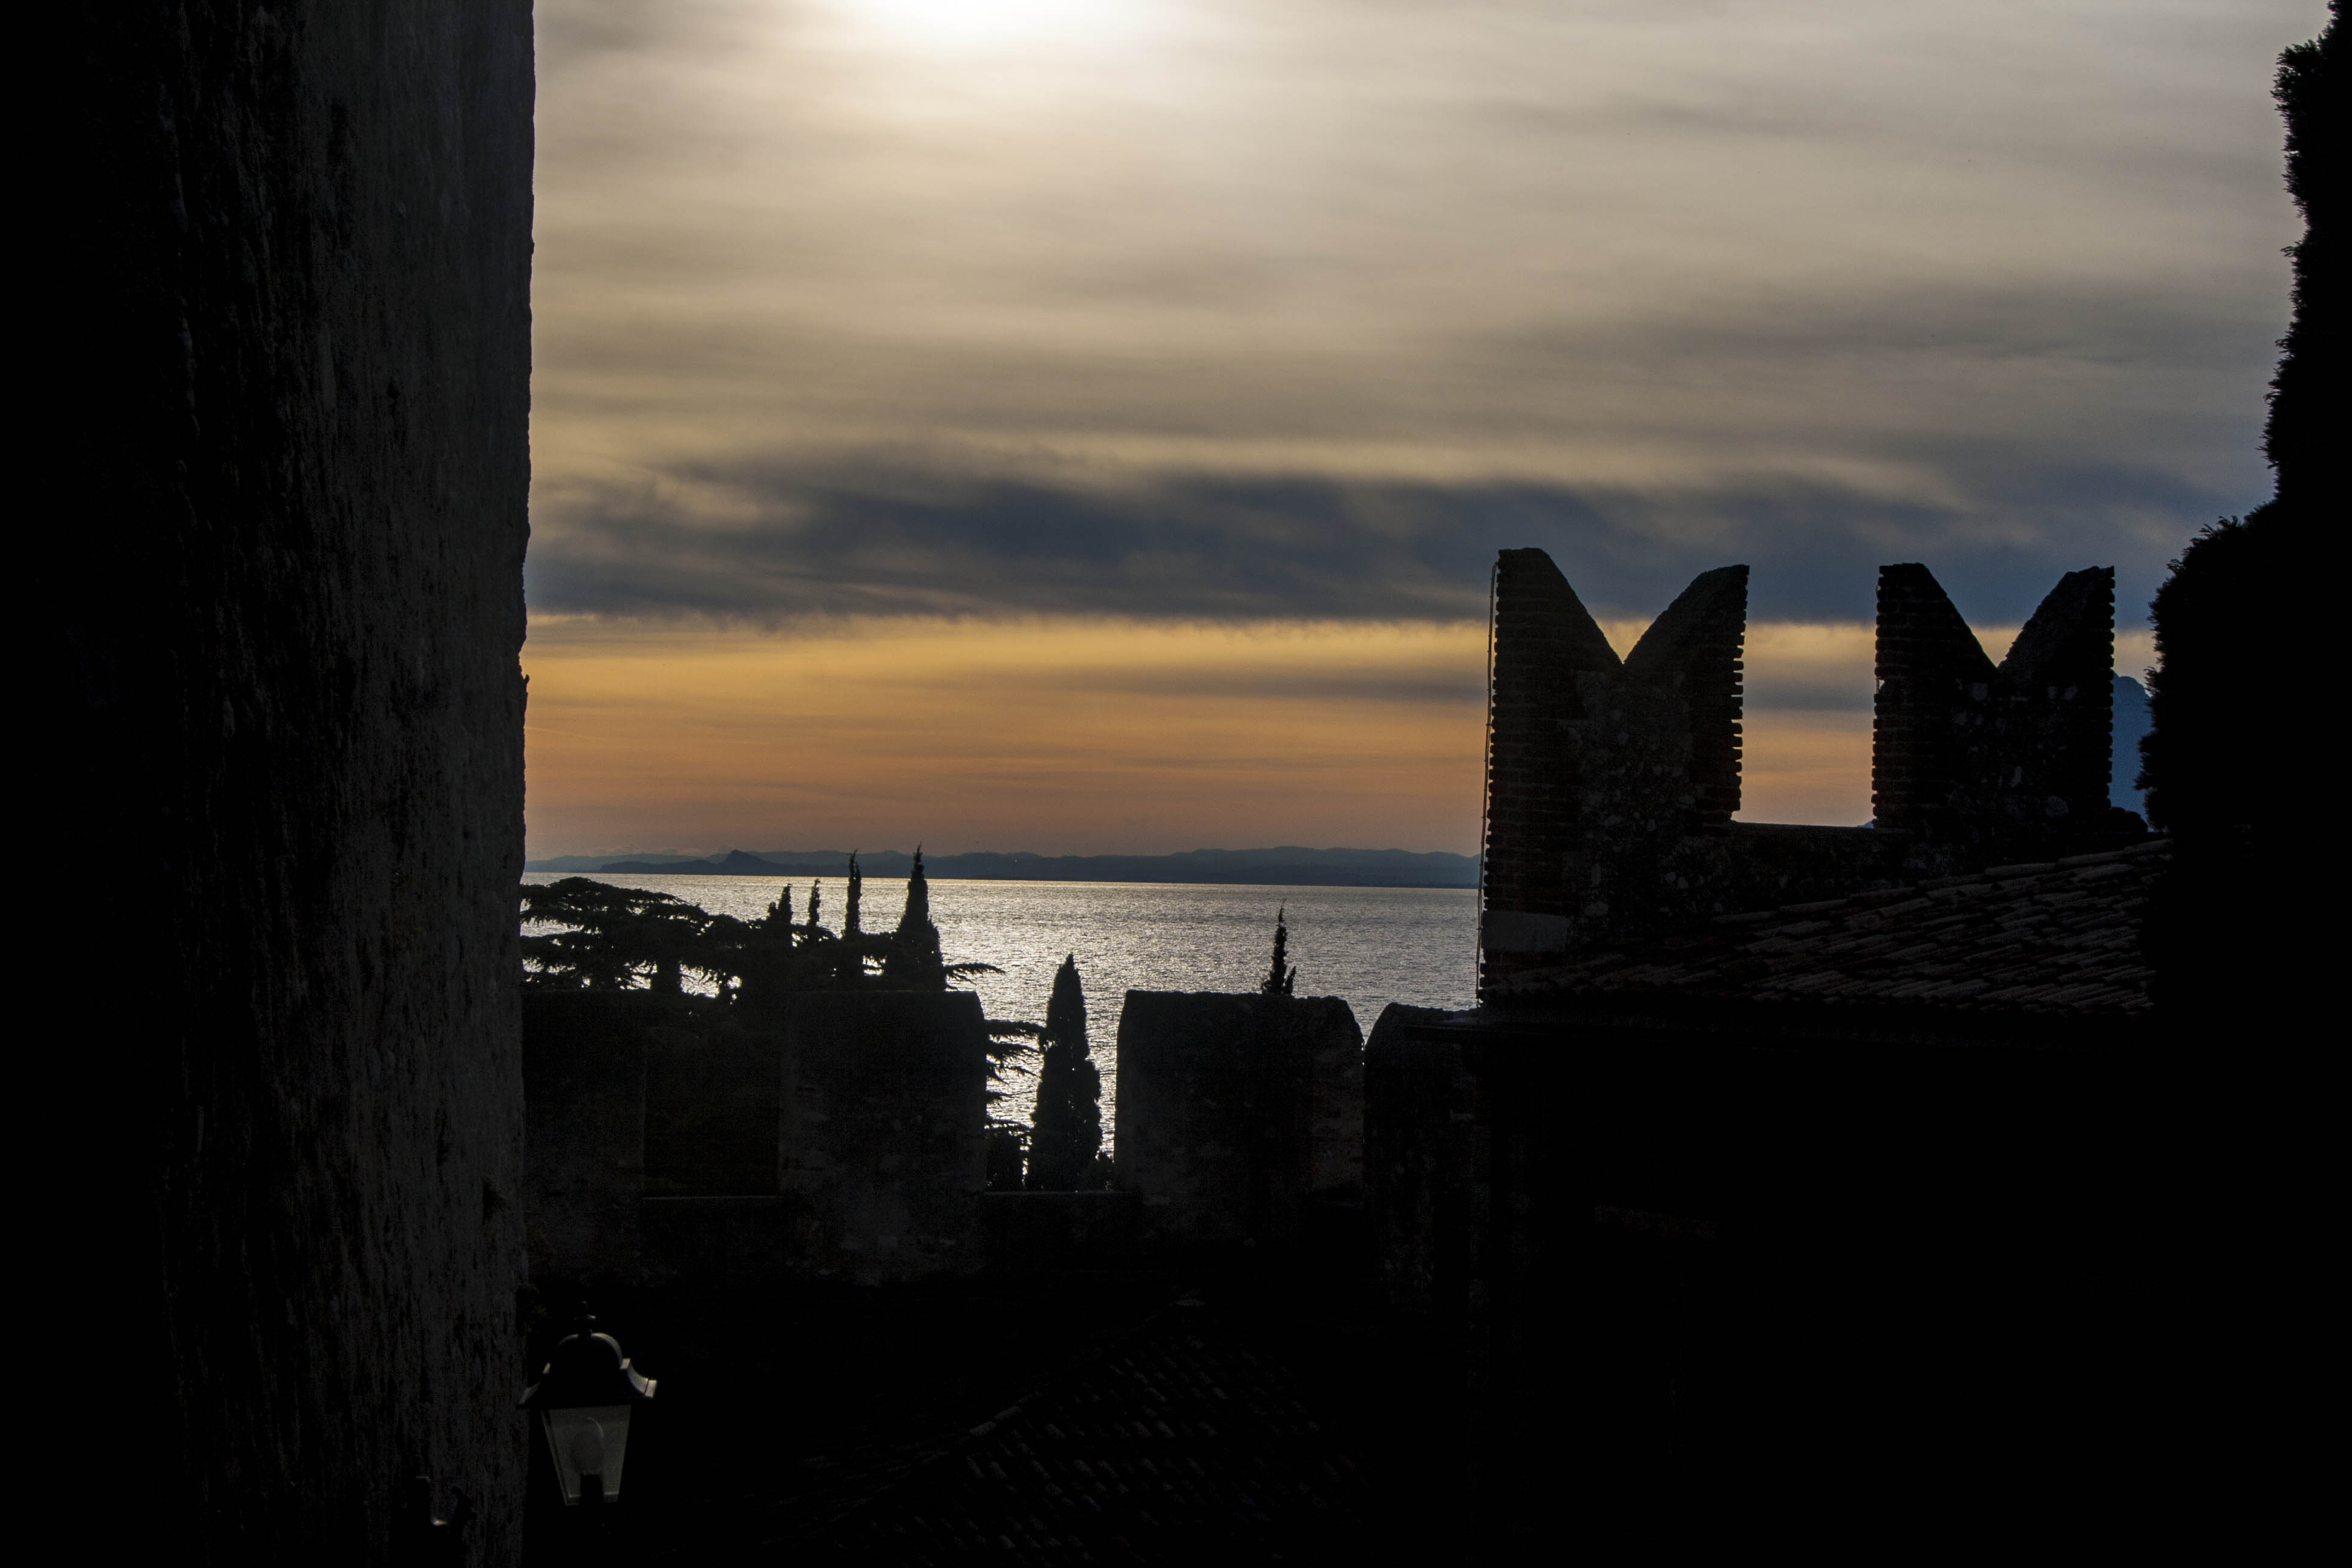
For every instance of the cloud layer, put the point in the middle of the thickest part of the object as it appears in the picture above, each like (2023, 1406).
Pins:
(772, 544)
(1190, 307)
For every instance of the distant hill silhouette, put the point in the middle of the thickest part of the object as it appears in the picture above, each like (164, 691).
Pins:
(1287, 865)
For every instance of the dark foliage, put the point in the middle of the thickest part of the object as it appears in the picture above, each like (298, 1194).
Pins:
(616, 937)
(2241, 606)
(1068, 1123)
(1006, 1143)
(2206, 694)
(619, 938)
(2239, 625)
(1282, 979)
(2305, 435)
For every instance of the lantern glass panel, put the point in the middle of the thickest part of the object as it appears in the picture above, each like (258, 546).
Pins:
(585, 1440)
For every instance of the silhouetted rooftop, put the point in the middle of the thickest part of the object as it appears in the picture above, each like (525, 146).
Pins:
(2056, 938)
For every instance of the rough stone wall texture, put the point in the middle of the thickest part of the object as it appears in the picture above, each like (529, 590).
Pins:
(1600, 771)
(883, 1132)
(1763, 865)
(1657, 760)
(1693, 650)
(298, 260)
(1928, 725)
(1475, 1193)
(1544, 640)
(714, 1091)
(1232, 1108)
(584, 1093)
(1335, 1164)
(671, 1139)
(1983, 764)
(1423, 1152)
(1612, 788)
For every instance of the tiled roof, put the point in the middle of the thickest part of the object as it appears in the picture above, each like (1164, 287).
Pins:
(1180, 1444)
(2060, 938)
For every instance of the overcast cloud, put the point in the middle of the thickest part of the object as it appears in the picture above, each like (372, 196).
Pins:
(1186, 309)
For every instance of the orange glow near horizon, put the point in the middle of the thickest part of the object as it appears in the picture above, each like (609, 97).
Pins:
(1093, 737)
(1061, 737)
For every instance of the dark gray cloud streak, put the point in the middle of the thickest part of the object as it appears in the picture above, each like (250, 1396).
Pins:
(894, 541)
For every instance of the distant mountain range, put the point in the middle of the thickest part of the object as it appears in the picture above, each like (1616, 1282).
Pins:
(1285, 866)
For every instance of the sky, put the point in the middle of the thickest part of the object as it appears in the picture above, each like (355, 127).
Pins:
(1085, 425)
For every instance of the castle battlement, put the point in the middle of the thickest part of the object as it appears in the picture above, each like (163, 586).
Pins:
(1611, 784)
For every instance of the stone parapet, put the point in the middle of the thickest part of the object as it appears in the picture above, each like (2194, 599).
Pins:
(668, 1141)
(584, 1130)
(1232, 1107)
(1611, 785)
(883, 1132)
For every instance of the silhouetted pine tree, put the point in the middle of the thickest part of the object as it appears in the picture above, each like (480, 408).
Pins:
(812, 931)
(914, 958)
(779, 922)
(850, 929)
(614, 935)
(1281, 979)
(1066, 1132)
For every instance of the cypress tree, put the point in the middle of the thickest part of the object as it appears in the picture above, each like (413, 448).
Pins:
(917, 958)
(816, 893)
(2242, 626)
(1066, 1131)
(1282, 978)
(850, 929)
(2310, 398)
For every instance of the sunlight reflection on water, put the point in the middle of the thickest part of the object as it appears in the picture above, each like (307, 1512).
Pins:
(1370, 946)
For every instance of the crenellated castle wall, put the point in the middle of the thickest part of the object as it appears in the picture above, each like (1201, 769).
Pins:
(1611, 784)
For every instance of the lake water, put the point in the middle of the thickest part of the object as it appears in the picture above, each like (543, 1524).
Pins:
(1369, 946)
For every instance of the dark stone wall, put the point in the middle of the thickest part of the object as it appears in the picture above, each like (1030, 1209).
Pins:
(1232, 1107)
(672, 1141)
(714, 1091)
(1496, 1146)
(585, 1090)
(1928, 718)
(1941, 1270)
(1423, 1152)
(1544, 640)
(1981, 763)
(1693, 650)
(1597, 768)
(884, 1113)
(1612, 789)
(296, 254)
